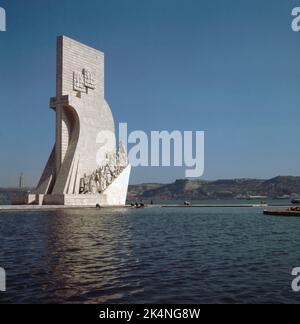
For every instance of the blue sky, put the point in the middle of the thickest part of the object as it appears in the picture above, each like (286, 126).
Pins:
(230, 68)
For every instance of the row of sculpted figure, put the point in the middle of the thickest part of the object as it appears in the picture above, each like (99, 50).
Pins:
(100, 179)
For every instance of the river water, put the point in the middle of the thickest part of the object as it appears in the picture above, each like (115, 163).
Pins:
(155, 255)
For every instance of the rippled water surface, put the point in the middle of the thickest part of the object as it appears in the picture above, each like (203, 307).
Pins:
(149, 256)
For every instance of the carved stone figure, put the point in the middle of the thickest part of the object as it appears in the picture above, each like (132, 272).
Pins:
(104, 176)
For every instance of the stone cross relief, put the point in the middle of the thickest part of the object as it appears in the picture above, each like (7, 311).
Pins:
(82, 81)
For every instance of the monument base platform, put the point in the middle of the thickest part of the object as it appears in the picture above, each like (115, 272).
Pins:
(75, 200)
(114, 195)
(90, 200)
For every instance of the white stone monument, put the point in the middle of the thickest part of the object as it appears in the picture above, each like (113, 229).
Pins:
(72, 175)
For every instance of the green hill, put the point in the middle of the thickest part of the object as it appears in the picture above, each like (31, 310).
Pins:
(278, 187)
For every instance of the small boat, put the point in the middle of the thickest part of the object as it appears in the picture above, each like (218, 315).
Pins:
(137, 205)
(295, 201)
(293, 211)
(140, 206)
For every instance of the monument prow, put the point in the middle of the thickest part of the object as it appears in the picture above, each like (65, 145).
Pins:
(73, 174)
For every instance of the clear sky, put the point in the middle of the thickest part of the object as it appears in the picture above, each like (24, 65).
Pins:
(230, 68)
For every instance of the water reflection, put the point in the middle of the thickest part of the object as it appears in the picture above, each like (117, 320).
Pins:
(87, 254)
(148, 256)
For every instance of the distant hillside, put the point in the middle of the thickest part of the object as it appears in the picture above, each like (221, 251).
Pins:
(278, 187)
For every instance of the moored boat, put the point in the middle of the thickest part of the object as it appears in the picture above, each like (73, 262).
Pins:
(293, 211)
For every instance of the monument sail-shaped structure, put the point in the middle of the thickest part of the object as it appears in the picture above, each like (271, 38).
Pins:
(85, 167)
